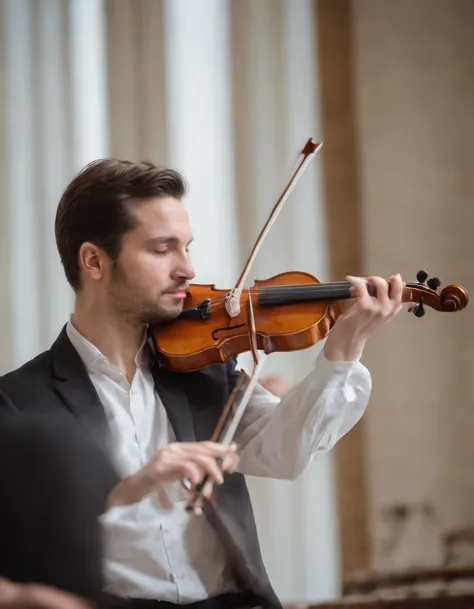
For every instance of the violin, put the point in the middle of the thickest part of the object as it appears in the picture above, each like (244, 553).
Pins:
(288, 312)
(292, 311)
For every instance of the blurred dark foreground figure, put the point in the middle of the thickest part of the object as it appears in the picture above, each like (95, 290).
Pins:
(54, 485)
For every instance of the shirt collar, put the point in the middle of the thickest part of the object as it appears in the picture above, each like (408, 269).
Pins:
(93, 357)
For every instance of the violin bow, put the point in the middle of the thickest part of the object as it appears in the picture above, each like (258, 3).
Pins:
(236, 406)
(232, 300)
(245, 385)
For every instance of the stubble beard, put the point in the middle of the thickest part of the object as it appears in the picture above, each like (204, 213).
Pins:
(133, 304)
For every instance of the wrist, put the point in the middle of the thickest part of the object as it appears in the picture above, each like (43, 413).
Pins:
(344, 348)
(116, 497)
(128, 491)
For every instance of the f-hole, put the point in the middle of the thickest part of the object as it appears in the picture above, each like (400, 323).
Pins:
(214, 332)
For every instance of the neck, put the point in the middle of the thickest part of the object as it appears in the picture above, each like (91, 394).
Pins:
(115, 337)
(311, 292)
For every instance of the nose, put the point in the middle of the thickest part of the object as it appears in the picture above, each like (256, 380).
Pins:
(185, 271)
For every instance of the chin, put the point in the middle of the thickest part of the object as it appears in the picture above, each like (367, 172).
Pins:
(173, 312)
(162, 314)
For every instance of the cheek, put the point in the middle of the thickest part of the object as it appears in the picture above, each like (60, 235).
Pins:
(151, 270)
(147, 271)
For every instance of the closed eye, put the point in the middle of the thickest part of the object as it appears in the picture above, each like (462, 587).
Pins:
(162, 244)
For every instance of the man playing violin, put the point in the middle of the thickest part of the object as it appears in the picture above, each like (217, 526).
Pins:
(123, 235)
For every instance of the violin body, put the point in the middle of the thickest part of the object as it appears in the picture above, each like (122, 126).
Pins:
(291, 311)
(187, 344)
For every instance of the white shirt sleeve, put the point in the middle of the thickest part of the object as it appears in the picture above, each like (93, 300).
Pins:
(278, 438)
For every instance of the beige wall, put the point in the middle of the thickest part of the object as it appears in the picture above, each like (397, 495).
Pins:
(414, 79)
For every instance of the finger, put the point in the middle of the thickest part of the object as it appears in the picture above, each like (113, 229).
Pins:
(196, 470)
(230, 463)
(8, 590)
(227, 454)
(359, 291)
(198, 504)
(210, 449)
(191, 471)
(207, 489)
(221, 450)
(44, 597)
(395, 288)
(381, 286)
(209, 466)
(345, 304)
(197, 499)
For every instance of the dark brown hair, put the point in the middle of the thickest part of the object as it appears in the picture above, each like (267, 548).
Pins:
(95, 206)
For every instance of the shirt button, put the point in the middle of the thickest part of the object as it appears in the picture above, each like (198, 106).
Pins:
(172, 578)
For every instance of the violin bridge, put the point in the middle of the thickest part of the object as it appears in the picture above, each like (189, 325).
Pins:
(232, 302)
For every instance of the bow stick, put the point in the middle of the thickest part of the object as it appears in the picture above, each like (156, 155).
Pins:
(236, 405)
(232, 300)
(239, 398)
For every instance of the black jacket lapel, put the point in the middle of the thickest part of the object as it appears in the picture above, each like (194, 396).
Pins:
(75, 388)
(172, 393)
(171, 390)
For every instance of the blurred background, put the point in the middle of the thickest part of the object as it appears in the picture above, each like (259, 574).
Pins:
(229, 92)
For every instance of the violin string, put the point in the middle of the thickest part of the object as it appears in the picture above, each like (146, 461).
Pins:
(297, 290)
(286, 294)
(294, 289)
(220, 306)
(217, 305)
(289, 291)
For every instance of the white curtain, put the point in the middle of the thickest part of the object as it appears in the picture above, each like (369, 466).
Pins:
(54, 119)
(199, 129)
(225, 91)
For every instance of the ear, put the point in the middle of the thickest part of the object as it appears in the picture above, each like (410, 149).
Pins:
(92, 260)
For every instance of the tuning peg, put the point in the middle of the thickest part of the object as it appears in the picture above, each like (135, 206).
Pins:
(421, 276)
(434, 283)
(418, 309)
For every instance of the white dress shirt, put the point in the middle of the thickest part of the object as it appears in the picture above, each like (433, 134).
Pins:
(156, 549)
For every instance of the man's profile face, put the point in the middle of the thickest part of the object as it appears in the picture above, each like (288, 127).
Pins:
(153, 263)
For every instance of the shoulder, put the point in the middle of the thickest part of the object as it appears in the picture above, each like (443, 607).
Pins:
(27, 377)
(37, 365)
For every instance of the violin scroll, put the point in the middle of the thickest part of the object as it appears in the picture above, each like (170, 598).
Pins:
(425, 291)
(453, 298)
